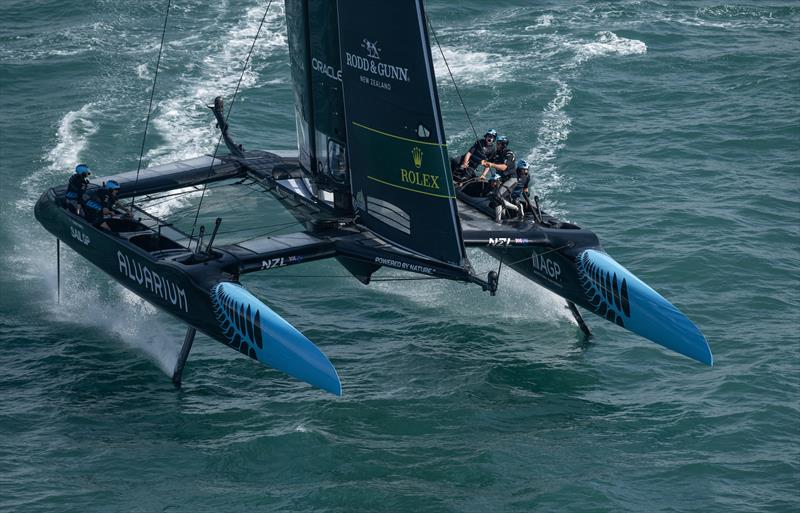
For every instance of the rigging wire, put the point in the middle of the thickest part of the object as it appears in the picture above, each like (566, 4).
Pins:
(349, 276)
(150, 106)
(230, 108)
(452, 78)
(278, 227)
(159, 200)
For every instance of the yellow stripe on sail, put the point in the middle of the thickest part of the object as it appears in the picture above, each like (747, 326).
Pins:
(410, 189)
(365, 127)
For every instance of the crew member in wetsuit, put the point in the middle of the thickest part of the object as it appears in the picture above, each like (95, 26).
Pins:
(503, 161)
(101, 204)
(76, 188)
(483, 150)
(523, 180)
(520, 194)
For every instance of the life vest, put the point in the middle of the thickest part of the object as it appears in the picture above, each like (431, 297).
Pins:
(76, 187)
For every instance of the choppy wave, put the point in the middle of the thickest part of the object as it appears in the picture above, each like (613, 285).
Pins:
(608, 43)
(72, 137)
(470, 66)
(528, 57)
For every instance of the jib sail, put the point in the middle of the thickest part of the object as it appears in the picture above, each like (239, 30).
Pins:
(399, 169)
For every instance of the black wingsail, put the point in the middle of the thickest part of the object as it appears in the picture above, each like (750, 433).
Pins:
(399, 170)
(313, 35)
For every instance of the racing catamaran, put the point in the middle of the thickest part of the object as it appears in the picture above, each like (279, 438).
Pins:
(372, 186)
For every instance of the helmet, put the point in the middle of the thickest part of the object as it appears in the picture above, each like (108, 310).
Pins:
(502, 139)
(521, 164)
(82, 169)
(112, 185)
(491, 132)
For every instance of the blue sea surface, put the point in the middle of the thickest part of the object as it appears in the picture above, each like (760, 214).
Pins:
(671, 129)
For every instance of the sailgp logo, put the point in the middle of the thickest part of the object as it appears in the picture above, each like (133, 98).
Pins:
(372, 64)
(373, 52)
(546, 267)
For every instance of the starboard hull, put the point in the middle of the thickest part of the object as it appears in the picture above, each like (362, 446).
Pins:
(590, 278)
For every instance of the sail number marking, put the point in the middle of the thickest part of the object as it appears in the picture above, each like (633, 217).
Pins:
(272, 263)
(506, 241)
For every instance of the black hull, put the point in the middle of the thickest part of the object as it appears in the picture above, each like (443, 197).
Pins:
(199, 289)
(180, 290)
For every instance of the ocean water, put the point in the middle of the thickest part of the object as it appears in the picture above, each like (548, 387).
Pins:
(672, 129)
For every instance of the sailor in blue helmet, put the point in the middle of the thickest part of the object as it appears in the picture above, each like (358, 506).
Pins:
(523, 180)
(503, 161)
(521, 195)
(76, 188)
(483, 150)
(102, 203)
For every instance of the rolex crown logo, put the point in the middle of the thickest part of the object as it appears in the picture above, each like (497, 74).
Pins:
(416, 153)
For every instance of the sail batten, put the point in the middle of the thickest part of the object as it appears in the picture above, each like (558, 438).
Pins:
(396, 146)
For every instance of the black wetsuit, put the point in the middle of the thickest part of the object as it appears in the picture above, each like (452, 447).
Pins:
(508, 178)
(503, 197)
(522, 185)
(76, 188)
(507, 157)
(481, 150)
(520, 192)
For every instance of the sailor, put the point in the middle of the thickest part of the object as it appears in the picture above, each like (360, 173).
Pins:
(102, 203)
(521, 196)
(520, 192)
(76, 188)
(503, 161)
(483, 150)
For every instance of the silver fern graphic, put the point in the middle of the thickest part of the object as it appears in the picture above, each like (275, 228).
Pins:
(240, 323)
(607, 292)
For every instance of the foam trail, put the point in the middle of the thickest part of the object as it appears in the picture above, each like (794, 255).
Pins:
(72, 138)
(182, 118)
(469, 66)
(552, 137)
(556, 123)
